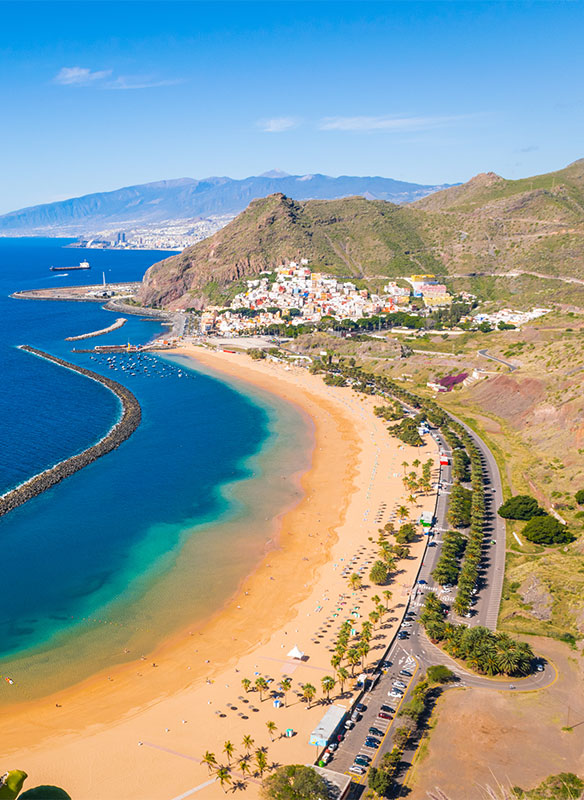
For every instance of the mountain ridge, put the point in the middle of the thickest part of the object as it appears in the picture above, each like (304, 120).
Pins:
(488, 225)
(190, 199)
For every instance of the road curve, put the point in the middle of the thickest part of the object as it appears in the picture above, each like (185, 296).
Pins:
(484, 354)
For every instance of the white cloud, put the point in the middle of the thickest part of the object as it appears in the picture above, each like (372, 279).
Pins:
(80, 76)
(104, 79)
(385, 123)
(278, 124)
(139, 82)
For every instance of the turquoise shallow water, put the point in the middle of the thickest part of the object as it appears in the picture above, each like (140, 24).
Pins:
(149, 538)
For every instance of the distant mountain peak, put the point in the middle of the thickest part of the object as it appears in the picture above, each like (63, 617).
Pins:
(275, 173)
(184, 199)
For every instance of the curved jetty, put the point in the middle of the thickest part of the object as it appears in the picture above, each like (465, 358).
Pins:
(117, 324)
(122, 430)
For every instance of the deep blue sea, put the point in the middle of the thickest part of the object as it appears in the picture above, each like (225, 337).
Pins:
(149, 537)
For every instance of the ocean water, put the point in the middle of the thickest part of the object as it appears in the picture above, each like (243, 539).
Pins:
(151, 537)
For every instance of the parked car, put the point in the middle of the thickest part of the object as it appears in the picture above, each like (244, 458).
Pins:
(332, 747)
(349, 724)
(360, 707)
(357, 769)
(387, 709)
(374, 743)
(395, 693)
(385, 664)
(540, 667)
(407, 624)
(422, 583)
(326, 757)
(362, 760)
(431, 544)
(405, 672)
(402, 635)
(399, 685)
(384, 715)
(375, 732)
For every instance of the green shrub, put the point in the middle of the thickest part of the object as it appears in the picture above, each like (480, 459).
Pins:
(440, 674)
(521, 506)
(547, 530)
(378, 574)
(579, 496)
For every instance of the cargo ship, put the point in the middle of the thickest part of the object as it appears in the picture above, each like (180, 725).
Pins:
(82, 265)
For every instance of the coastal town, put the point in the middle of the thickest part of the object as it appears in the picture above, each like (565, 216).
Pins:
(295, 293)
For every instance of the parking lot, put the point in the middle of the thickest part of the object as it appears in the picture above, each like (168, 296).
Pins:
(353, 745)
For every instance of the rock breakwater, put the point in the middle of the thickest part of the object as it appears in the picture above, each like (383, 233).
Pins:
(113, 327)
(122, 430)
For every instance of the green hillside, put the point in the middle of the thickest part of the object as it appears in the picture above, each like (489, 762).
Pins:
(488, 225)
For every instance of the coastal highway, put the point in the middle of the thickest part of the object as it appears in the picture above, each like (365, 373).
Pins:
(416, 653)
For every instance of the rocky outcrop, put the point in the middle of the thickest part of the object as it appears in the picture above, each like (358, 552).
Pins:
(534, 594)
(122, 430)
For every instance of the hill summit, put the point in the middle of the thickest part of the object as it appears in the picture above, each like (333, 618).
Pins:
(489, 224)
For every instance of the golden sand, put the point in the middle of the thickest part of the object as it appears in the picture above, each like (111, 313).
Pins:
(138, 732)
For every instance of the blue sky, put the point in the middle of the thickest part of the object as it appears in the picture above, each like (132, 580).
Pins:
(99, 95)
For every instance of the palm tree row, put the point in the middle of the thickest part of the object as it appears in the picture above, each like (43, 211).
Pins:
(223, 773)
(482, 650)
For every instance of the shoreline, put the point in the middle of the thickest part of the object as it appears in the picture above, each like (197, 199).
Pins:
(297, 578)
(122, 429)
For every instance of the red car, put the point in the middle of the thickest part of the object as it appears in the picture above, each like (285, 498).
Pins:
(383, 715)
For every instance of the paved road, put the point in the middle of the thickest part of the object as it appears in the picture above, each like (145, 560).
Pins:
(485, 354)
(493, 568)
(416, 652)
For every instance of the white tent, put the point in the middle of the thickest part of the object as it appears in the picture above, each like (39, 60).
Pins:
(296, 653)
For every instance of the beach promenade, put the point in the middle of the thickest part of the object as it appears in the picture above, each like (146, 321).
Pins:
(139, 732)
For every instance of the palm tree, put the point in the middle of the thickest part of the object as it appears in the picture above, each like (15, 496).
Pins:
(308, 692)
(405, 465)
(210, 760)
(246, 683)
(247, 742)
(285, 686)
(374, 617)
(228, 749)
(388, 595)
(328, 684)
(342, 675)
(244, 765)
(355, 581)
(363, 651)
(353, 658)
(223, 777)
(261, 761)
(403, 512)
(416, 463)
(376, 599)
(412, 500)
(272, 728)
(261, 686)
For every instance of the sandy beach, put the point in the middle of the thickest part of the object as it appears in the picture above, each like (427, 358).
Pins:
(138, 732)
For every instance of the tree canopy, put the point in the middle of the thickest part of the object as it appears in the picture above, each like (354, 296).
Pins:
(295, 782)
(547, 530)
(521, 506)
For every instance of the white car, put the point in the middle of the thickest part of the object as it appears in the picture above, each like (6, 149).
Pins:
(355, 769)
(395, 693)
(399, 685)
